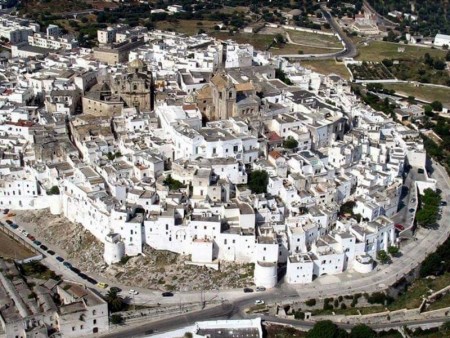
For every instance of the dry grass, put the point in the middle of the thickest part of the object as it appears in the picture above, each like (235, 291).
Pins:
(425, 93)
(314, 40)
(10, 248)
(327, 67)
(189, 27)
(380, 50)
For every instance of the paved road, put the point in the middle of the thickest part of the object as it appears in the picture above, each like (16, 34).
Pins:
(349, 50)
(408, 205)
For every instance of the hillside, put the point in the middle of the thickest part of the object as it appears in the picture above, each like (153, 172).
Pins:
(433, 15)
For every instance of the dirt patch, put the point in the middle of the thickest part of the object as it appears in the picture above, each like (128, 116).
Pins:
(155, 269)
(10, 248)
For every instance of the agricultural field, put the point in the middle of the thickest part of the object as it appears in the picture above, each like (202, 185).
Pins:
(380, 50)
(370, 71)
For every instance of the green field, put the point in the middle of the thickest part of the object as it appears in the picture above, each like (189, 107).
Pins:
(314, 40)
(327, 67)
(425, 93)
(380, 50)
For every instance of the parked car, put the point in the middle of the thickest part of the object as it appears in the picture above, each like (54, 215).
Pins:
(443, 203)
(167, 294)
(399, 227)
(36, 242)
(43, 247)
(412, 210)
(14, 226)
(9, 221)
(5, 211)
(260, 288)
(25, 233)
(91, 280)
(248, 290)
(74, 269)
(31, 237)
(259, 302)
(133, 292)
(83, 275)
(50, 252)
(67, 265)
(102, 285)
(59, 259)
(115, 289)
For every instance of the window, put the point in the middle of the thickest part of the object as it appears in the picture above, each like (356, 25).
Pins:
(73, 328)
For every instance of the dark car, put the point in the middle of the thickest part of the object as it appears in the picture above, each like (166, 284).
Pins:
(60, 259)
(82, 275)
(9, 221)
(14, 226)
(43, 247)
(248, 290)
(115, 289)
(5, 211)
(31, 237)
(36, 242)
(443, 203)
(50, 252)
(67, 265)
(260, 288)
(167, 294)
(91, 280)
(74, 269)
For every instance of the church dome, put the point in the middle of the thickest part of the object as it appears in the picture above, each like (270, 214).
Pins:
(136, 65)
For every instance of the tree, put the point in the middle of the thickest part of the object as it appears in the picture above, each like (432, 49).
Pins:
(393, 251)
(290, 143)
(439, 65)
(411, 99)
(445, 328)
(53, 190)
(116, 319)
(383, 257)
(326, 329)
(437, 105)
(428, 110)
(115, 302)
(430, 265)
(362, 331)
(258, 181)
(173, 183)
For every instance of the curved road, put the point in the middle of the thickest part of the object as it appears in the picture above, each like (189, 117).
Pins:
(349, 50)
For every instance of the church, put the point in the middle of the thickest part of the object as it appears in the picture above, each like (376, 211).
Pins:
(223, 98)
(131, 87)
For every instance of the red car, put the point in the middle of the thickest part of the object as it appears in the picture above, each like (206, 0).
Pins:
(399, 227)
(31, 237)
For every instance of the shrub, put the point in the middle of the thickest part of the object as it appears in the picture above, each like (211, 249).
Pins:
(311, 302)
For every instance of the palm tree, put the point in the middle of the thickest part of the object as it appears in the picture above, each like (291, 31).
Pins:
(115, 302)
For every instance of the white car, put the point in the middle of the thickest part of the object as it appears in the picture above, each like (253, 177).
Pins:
(133, 292)
(25, 233)
(259, 302)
